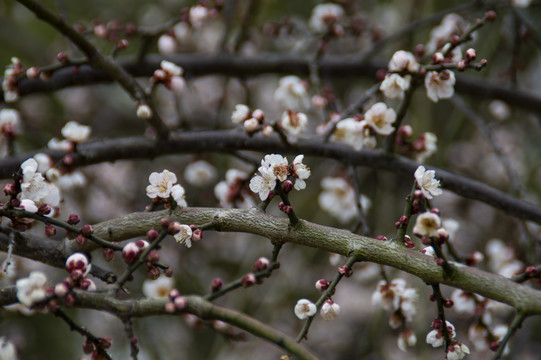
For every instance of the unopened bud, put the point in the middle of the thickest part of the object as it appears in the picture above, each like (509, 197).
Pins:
(33, 72)
(345, 271)
(122, 44)
(73, 219)
(153, 273)
(62, 57)
(251, 125)
(437, 58)
(153, 256)
(180, 303)
(105, 342)
(491, 15)
(10, 190)
(248, 280)
(144, 112)
(164, 223)
(216, 284)
(50, 230)
(87, 230)
(461, 64)
(108, 254)
(471, 54)
(170, 307)
(152, 235)
(173, 228)
(322, 284)
(287, 186)
(259, 115)
(44, 209)
(81, 240)
(260, 264)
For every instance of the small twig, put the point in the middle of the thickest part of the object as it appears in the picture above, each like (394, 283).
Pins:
(408, 209)
(83, 331)
(128, 328)
(441, 314)
(361, 219)
(515, 325)
(293, 219)
(401, 113)
(324, 296)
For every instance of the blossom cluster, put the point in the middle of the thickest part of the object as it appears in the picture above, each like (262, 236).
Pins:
(455, 349)
(163, 186)
(360, 132)
(274, 168)
(233, 192)
(421, 148)
(74, 133)
(10, 81)
(338, 198)
(170, 75)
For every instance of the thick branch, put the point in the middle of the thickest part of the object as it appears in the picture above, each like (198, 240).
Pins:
(229, 141)
(333, 240)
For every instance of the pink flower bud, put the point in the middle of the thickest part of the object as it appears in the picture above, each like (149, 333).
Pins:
(471, 54)
(251, 125)
(267, 130)
(108, 254)
(76, 261)
(44, 209)
(153, 273)
(173, 293)
(258, 114)
(69, 300)
(180, 303)
(105, 342)
(88, 347)
(33, 72)
(153, 256)
(216, 284)
(10, 190)
(168, 272)
(50, 230)
(164, 223)
(170, 307)
(81, 240)
(261, 264)
(122, 44)
(60, 290)
(322, 284)
(173, 228)
(130, 252)
(197, 234)
(345, 271)
(87, 230)
(287, 186)
(73, 219)
(248, 280)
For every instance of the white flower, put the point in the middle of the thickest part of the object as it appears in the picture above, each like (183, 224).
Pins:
(521, 3)
(354, 133)
(292, 93)
(388, 295)
(44, 162)
(177, 193)
(167, 44)
(64, 145)
(263, 183)
(232, 192)
(293, 123)
(330, 310)
(171, 69)
(35, 188)
(184, 236)
(427, 224)
(32, 289)
(338, 199)
(439, 85)
(28, 205)
(409, 298)
(144, 112)
(10, 121)
(69, 181)
(429, 148)
(499, 109)
(7, 350)
(403, 60)
(406, 338)
(477, 334)
(305, 308)
(300, 172)
(75, 132)
(426, 179)
(463, 302)
(277, 164)
(251, 125)
(324, 15)
(457, 351)
(435, 336)
(161, 184)
(159, 288)
(380, 118)
(241, 113)
(394, 85)
(200, 173)
(198, 15)
(451, 24)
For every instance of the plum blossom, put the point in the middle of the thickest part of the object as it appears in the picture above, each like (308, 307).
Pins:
(167, 44)
(429, 146)
(300, 172)
(160, 184)
(406, 338)
(353, 133)
(9, 83)
(35, 188)
(435, 336)
(402, 61)
(73, 131)
(10, 122)
(324, 15)
(427, 182)
(240, 114)
(440, 85)
(330, 310)
(451, 24)
(457, 351)
(200, 173)
(339, 200)
(394, 85)
(427, 224)
(232, 192)
(380, 118)
(502, 258)
(32, 289)
(159, 288)
(28, 205)
(463, 301)
(292, 93)
(396, 296)
(304, 309)
(7, 349)
(263, 183)
(184, 236)
(293, 123)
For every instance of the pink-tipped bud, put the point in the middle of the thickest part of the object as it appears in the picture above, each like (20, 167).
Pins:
(108, 254)
(448, 303)
(267, 130)
(491, 15)
(10, 190)
(68, 160)
(287, 186)
(88, 347)
(259, 115)
(168, 272)
(471, 54)
(170, 307)
(87, 230)
(260, 264)
(69, 300)
(122, 44)
(61, 290)
(173, 228)
(381, 238)
(345, 271)
(455, 39)
(494, 345)
(33, 72)
(531, 271)
(81, 240)
(461, 65)
(216, 284)
(153, 256)
(437, 58)
(87, 284)
(180, 303)
(77, 275)
(287, 209)
(130, 252)
(197, 235)
(164, 223)
(62, 57)
(322, 284)
(76, 261)
(173, 293)
(74, 219)
(50, 230)
(142, 244)
(153, 273)
(44, 209)
(105, 342)
(248, 280)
